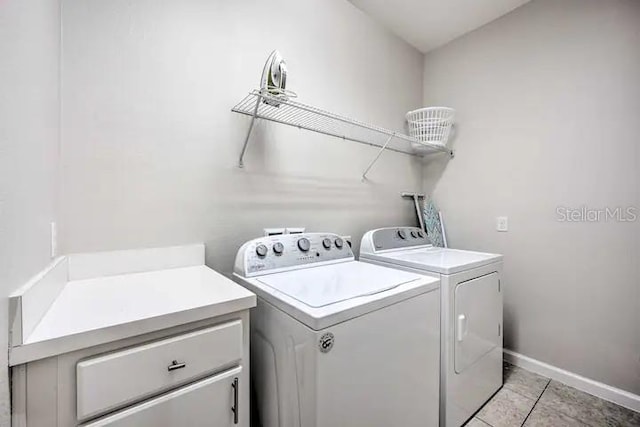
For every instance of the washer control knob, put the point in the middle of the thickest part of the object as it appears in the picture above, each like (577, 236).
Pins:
(402, 234)
(261, 250)
(278, 248)
(421, 234)
(326, 243)
(339, 243)
(414, 234)
(303, 244)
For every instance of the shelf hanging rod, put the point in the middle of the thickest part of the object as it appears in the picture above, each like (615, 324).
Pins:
(375, 159)
(246, 139)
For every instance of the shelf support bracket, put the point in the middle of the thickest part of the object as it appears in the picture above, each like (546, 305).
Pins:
(375, 159)
(246, 140)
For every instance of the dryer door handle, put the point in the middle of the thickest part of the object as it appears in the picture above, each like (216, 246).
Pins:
(461, 327)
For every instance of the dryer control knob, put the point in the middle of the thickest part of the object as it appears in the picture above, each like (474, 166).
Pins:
(421, 234)
(261, 250)
(414, 234)
(278, 248)
(326, 243)
(339, 243)
(402, 234)
(304, 245)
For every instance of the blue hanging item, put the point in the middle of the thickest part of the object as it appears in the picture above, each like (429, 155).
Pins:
(433, 224)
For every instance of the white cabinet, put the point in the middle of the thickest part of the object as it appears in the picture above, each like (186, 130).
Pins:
(144, 337)
(190, 375)
(210, 402)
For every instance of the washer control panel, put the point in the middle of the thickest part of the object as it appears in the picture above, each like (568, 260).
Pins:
(399, 237)
(278, 252)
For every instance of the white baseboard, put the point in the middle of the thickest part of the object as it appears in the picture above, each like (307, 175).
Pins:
(606, 392)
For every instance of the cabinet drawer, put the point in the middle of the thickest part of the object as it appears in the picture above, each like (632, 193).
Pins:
(209, 402)
(108, 382)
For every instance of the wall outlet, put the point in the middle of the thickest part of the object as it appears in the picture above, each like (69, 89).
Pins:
(502, 223)
(54, 239)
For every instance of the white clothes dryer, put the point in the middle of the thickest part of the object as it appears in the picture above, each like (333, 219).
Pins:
(470, 310)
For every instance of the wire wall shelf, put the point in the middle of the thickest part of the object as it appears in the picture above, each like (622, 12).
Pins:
(281, 109)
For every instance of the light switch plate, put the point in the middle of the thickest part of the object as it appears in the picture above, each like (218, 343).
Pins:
(54, 240)
(502, 223)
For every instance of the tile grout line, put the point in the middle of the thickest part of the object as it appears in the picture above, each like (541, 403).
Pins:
(506, 386)
(536, 402)
(561, 412)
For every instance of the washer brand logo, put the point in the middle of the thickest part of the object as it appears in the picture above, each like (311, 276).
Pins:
(326, 342)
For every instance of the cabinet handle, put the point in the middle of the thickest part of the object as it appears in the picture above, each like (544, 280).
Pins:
(234, 408)
(176, 365)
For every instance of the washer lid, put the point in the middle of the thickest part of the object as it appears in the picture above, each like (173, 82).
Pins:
(441, 260)
(328, 294)
(329, 284)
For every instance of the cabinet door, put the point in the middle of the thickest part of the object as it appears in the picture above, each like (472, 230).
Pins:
(208, 402)
(478, 319)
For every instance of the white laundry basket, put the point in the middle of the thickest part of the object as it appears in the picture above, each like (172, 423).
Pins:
(431, 124)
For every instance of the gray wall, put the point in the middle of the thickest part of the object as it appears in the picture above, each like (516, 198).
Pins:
(150, 145)
(29, 134)
(548, 99)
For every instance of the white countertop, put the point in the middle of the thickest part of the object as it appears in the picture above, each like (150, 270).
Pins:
(93, 311)
(86, 305)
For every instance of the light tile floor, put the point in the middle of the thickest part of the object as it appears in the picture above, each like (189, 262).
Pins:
(531, 400)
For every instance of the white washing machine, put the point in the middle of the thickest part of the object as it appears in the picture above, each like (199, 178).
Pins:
(471, 313)
(337, 342)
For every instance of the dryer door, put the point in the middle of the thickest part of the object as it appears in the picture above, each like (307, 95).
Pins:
(478, 319)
